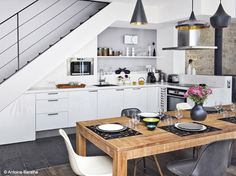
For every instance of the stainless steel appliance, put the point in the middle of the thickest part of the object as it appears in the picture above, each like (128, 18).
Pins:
(175, 96)
(80, 66)
(173, 78)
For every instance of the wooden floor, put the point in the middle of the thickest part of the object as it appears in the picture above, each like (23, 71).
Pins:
(48, 157)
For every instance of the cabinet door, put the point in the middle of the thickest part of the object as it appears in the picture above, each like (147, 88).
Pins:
(110, 103)
(82, 106)
(135, 98)
(18, 120)
(153, 99)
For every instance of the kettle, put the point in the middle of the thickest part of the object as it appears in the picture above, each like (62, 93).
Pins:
(151, 77)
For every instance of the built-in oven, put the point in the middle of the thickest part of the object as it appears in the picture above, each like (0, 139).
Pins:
(175, 96)
(80, 66)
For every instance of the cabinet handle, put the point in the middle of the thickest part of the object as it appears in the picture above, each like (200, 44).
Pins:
(136, 88)
(53, 114)
(93, 91)
(52, 93)
(119, 89)
(52, 100)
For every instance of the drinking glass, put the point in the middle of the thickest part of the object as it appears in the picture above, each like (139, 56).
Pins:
(178, 114)
(135, 119)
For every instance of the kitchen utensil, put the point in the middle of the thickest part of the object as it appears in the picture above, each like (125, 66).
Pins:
(189, 126)
(141, 81)
(111, 128)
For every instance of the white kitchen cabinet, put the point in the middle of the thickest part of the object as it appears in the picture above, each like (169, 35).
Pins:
(110, 102)
(153, 99)
(51, 110)
(18, 120)
(135, 98)
(82, 106)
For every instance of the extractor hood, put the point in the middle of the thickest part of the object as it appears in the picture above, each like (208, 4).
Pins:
(189, 40)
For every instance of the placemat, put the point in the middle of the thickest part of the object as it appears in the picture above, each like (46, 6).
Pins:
(182, 133)
(229, 119)
(126, 133)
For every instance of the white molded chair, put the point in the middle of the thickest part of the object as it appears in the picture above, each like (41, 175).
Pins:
(183, 106)
(87, 166)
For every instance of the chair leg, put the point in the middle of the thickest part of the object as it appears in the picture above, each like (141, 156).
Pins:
(135, 166)
(144, 165)
(158, 165)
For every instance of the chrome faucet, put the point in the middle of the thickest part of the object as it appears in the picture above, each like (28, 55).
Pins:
(101, 73)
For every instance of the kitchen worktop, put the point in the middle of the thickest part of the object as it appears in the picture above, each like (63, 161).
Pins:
(92, 87)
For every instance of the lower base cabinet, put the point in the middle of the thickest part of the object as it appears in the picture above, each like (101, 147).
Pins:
(82, 106)
(51, 121)
(18, 120)
(110, 103)
(136, 98)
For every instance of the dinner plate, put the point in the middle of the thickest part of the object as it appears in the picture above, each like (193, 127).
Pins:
(148, 114)
(188, 126)
(111, 128)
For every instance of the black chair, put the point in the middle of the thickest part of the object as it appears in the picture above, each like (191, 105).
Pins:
(128, 113)
(213, 161)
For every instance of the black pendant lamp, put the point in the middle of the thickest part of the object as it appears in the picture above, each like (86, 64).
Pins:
(220, 19)
(192, 23)
(139, 16)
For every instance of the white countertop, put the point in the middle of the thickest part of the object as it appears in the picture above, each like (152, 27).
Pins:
(92, 87)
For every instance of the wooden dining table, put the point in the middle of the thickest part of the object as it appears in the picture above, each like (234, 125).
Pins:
(149, 142)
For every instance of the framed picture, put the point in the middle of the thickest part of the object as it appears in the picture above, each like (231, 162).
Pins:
(131, 39)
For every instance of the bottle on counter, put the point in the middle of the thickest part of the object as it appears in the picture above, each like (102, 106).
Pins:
(154, 50)
(189, 68)
(149, 50)
(193, 71)
(133, 52)
(127, 51)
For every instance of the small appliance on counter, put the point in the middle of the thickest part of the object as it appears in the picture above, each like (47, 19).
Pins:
(173, 78)
(161, 76)
(151, 77)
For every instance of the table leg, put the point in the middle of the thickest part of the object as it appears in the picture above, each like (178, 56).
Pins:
(119, 164)
(80, 144)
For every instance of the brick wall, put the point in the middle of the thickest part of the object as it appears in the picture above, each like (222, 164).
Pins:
(204, 59)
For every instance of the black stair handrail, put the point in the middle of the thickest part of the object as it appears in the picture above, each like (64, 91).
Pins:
(29, 20)
(44, 36)
(18, 12)
(50, 45)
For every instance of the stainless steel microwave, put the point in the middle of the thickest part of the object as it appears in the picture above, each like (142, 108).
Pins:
(80, 66)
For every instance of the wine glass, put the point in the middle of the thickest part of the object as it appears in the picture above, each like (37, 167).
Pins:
(161, 113)
(218, 106)
(233, 107)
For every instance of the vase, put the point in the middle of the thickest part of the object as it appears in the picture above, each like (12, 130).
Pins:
(198, 113)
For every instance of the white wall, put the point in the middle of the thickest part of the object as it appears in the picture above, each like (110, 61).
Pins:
(10, 7)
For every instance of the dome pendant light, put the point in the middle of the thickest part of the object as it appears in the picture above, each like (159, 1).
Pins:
(139, 16)
(220, 19)
(192, 23)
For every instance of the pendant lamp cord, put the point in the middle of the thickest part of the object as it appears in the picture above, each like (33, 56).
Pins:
(192, 5)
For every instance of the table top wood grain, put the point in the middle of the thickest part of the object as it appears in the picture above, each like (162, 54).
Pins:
(151, 142)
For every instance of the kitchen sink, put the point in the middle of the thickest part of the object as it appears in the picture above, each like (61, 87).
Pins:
(105, 85)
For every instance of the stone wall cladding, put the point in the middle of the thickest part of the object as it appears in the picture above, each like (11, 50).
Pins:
(204, 59)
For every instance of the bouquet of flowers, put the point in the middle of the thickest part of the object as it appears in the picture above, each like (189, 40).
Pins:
(198, 94)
